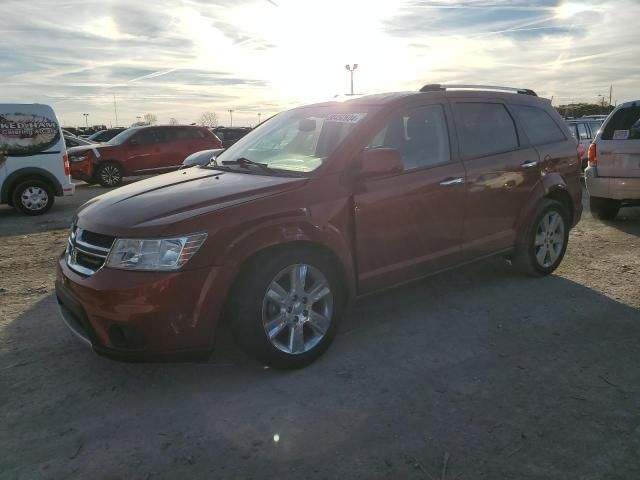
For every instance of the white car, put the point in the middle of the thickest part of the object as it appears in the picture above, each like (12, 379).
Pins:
(613, 174)
(34, 168)
(584, 130)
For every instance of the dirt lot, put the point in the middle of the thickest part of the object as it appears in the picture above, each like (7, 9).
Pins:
(473, 374)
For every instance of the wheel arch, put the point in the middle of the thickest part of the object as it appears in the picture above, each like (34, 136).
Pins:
(551, 186)
(343, 272)
(26, 173)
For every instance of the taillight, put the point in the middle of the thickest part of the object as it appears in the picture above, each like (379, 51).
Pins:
(65, 162)
(592, 155)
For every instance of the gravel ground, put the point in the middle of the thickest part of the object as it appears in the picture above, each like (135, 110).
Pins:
(473, 374)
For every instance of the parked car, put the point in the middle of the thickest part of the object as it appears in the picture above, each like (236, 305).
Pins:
(321, 204)
(34, 168)
(201, 158)
(230, 135)
(105, 135)
(584, 130)
(73, 141)
(138, 151)
(613, 175)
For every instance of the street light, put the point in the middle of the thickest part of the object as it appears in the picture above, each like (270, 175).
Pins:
(230, 118)
(259, 115)
(86, 122)
(351, 69)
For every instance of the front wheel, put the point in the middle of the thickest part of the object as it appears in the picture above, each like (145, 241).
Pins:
(546, 240)
(33, 197)
(286, 307)
(109, 174)
(604, 208)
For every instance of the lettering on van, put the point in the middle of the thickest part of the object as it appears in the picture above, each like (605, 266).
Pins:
(23, 134)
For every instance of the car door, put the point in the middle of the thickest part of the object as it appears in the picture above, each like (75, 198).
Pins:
(144, 151)
(501, 172)
(410, 223)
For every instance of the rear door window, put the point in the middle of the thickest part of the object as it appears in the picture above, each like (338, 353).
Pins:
(485, 129)
(540, 127)
(623, 125)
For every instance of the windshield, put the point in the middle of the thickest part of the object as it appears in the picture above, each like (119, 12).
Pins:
(299, 140)
(122, 136)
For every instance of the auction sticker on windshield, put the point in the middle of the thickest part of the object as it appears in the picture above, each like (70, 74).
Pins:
(345, 117)
(23, 134)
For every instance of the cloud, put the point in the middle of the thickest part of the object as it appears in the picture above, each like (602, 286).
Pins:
(182, 57)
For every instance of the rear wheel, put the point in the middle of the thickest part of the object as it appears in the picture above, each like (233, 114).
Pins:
(546, 241)
(286, 307)
(33, 196)
(109, 174)
(604, 208)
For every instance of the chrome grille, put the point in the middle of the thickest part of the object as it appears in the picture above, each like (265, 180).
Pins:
(87, 251)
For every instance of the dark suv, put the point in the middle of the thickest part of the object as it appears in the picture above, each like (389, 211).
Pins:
(317, 206)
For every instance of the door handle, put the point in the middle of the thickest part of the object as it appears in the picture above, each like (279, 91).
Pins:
(529, 164)
(452, 181)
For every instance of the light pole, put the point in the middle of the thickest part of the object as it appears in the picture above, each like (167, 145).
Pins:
(259, 115)
(86, 122)
(230, 118)
(351, 69)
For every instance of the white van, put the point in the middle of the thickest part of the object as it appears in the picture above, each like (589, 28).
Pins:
(33, 159)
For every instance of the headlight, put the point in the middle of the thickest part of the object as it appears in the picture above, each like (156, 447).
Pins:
(158, 254)
(73, 158)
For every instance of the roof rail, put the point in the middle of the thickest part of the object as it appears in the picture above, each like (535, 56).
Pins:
(437, 87)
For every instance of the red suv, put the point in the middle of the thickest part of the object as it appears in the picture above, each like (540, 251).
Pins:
(139, 151)
(315, 207)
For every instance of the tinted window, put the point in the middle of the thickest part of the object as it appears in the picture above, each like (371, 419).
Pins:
(540, 127)
(421, 136)
(178, 134)
(583, 133)
(485, 129)
(625, 124)
(147, 136)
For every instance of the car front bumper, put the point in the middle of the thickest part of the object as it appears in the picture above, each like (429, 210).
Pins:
(82, 170)
(143, 315)
(611, 187)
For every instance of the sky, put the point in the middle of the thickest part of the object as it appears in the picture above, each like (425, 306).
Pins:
(180, 58)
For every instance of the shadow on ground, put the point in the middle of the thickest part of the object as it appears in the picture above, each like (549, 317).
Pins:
(511, 377)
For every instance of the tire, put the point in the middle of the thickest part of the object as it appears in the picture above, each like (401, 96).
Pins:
(545, 242)
(33, 196)
(264, 297)
(604, 208)
(109, 174)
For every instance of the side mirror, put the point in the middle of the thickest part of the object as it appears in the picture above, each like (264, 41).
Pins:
(381, 161)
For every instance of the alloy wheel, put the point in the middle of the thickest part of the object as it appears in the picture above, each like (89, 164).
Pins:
(549, 240)
(110, 175)
(297, 309)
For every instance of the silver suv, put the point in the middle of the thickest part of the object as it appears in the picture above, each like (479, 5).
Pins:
(613, 174)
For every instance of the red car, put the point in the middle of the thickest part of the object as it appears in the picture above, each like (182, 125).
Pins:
(317, 206)
(139, 151)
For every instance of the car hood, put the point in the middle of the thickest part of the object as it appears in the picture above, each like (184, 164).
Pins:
(157, 205)
(84, 148)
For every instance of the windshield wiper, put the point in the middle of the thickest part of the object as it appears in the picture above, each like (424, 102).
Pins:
(244, 162)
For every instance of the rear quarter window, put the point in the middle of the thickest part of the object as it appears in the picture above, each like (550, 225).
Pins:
(540, 127)
(623, 125)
